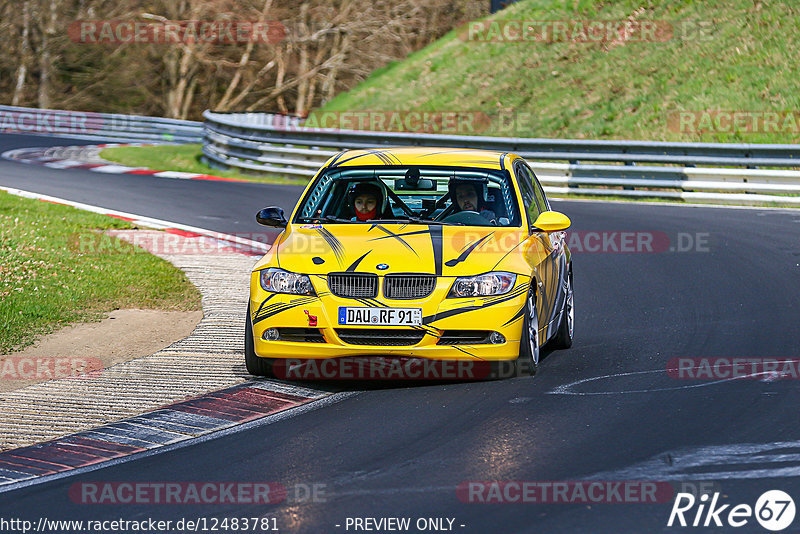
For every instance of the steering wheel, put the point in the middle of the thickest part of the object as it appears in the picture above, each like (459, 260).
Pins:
(470, 218)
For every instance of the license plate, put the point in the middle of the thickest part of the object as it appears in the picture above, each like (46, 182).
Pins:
(380, 316)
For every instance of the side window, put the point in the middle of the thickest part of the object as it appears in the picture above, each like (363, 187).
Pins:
(541, 199)
(527, 189)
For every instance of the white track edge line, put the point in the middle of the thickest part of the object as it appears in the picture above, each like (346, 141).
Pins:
(150, 222)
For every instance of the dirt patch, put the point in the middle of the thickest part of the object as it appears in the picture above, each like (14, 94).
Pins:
(124, 335)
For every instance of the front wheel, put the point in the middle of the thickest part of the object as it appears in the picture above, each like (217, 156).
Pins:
(528, 361)
(255, 366)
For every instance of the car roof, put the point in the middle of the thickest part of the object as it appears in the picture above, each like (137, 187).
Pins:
(422, 156)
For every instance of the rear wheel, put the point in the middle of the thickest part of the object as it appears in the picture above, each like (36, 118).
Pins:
(563, 338)
(528, 361)
(255, 366)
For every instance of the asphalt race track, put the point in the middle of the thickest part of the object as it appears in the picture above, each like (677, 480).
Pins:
(604, 410)
(205, 204)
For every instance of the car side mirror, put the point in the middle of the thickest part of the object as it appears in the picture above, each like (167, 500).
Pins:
(551, 221)
(271, 216)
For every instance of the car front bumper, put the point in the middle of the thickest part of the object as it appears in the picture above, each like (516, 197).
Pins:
(502, 314)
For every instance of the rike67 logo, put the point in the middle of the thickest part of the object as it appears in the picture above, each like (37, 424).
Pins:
(774, 510)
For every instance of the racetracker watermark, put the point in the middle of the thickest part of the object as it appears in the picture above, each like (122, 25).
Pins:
(637, 242)
(595, 242)
(737, 121)
(565, 492)
(397, 368)
(699, 368)
(35, 368)
(177, 492)
(72, 122)
(584, 31)
(414, 121)
(156, 242)
(176, 32)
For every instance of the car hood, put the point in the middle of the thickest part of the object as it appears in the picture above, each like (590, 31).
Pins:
(397, 248)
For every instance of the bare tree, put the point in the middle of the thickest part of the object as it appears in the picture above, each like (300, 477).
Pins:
(24, 53)
(329, 46)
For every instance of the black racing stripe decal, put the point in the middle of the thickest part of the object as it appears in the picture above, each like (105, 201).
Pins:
(378, 153)
(334, 243)
(523, 288)
(450, 313)
(279, 305)
(484, 163)
(465, 351)
(517, 315)
(544, 275)
(436, 242)
(506, 255)
(454, 151)
(416, 232)
(339, 155)
(388, 157)
(355, 263)
(391, 155)
(429, 330)
(262, 304)
(393, 235)
(383, 157)
(463, 256)
(275, 309)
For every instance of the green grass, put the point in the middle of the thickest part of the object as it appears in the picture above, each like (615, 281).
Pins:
(184, 158)
(744, 59)
(48, 280)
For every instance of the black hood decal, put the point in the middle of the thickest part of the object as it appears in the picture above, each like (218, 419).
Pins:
(393, 235)
(467, 251)
(335, 244)
(436, 242)
(354, 265)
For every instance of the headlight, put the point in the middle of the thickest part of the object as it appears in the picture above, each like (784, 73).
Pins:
(280, 281)
(483, 285)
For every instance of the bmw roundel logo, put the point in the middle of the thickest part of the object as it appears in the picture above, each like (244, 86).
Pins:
(382, 266)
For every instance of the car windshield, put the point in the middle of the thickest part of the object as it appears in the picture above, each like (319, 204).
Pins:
(428, 195)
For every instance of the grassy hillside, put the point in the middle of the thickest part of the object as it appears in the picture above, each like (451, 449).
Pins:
(732, 55)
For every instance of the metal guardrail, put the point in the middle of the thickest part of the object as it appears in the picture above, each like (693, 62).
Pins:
(98, 126)
(264, 143)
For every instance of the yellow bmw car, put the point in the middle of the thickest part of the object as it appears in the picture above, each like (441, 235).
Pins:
(425, 254)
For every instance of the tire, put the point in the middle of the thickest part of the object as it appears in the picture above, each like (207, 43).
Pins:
(527, 362)
(563, 338)
(255, 366)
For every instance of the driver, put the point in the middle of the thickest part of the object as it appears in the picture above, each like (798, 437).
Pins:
(365, 200)
(466, 197)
